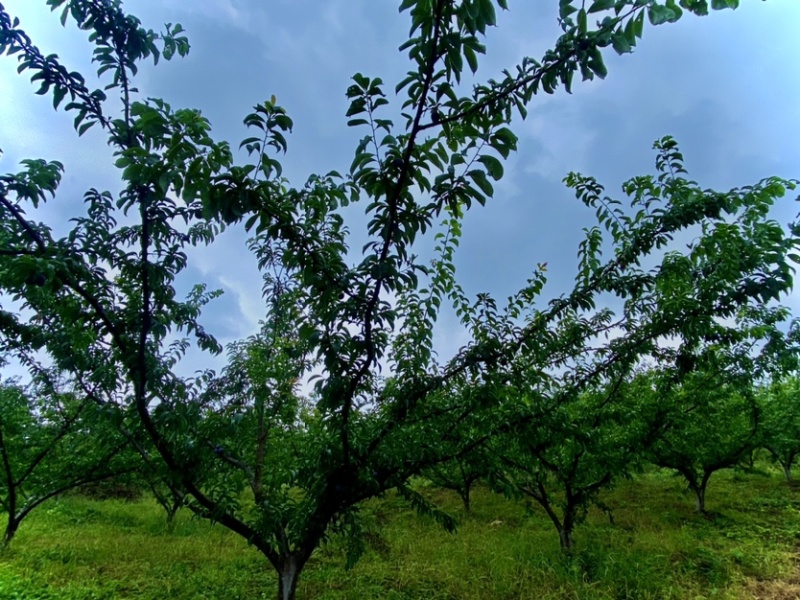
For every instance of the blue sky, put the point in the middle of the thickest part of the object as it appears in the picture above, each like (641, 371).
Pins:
(726, 86)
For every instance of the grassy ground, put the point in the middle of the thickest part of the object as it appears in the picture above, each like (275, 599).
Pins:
(658, 549)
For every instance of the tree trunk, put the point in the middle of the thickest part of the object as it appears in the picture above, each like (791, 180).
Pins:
(787, 471)
(700, 505)
(288, 576)
(172, 512)
(11, 529)
(465, 497)
(564, 527)
(699, 490)
(565, 538)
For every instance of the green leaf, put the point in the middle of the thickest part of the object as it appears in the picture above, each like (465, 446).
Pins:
(638, 27)
(599, 5)
(660, 14)
(596, 63)
(583, 26)
(58, 95)
(84, 127)
(678, 13)
(621, 43)
(493, 166)
(565, 8)
(697, 7)
(487, 12)
(479, 177)
(472, 59)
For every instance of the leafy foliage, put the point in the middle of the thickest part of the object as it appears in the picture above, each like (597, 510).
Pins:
(780, 422)
(50, 442)
(382, 408)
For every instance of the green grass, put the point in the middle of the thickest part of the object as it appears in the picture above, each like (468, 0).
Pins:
(657, 549)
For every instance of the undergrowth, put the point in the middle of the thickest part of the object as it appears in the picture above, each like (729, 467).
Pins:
(75, 548)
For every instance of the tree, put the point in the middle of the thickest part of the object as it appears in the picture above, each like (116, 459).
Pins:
(718, 429)
(711, 413)
(461, 474)
(168, 497)
(585, 425)
(576, 448)
(363, 331)
(51, 442)
(780, 422)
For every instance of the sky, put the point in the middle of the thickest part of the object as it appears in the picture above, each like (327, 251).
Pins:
(726, 86)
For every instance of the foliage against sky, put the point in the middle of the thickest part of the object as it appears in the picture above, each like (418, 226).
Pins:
(724, 86)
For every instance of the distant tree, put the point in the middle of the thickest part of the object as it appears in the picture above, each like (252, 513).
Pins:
(581, 443)
(167, 495)
(717, 429)
(548, 463)
(358, 326)
(780, 422)
(712, 416)
(462, 472)
(51, 442)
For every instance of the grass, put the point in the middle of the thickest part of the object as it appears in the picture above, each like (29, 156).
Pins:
(658, 549)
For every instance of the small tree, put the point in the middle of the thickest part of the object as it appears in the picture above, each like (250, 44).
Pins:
(707, 398)
(713, 423)
(462, 473)
(718, 430)
(780, 422)
(167, 495)
(51, 442)
(577, 448)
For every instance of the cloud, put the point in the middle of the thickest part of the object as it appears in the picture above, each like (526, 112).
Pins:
(562, 140)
